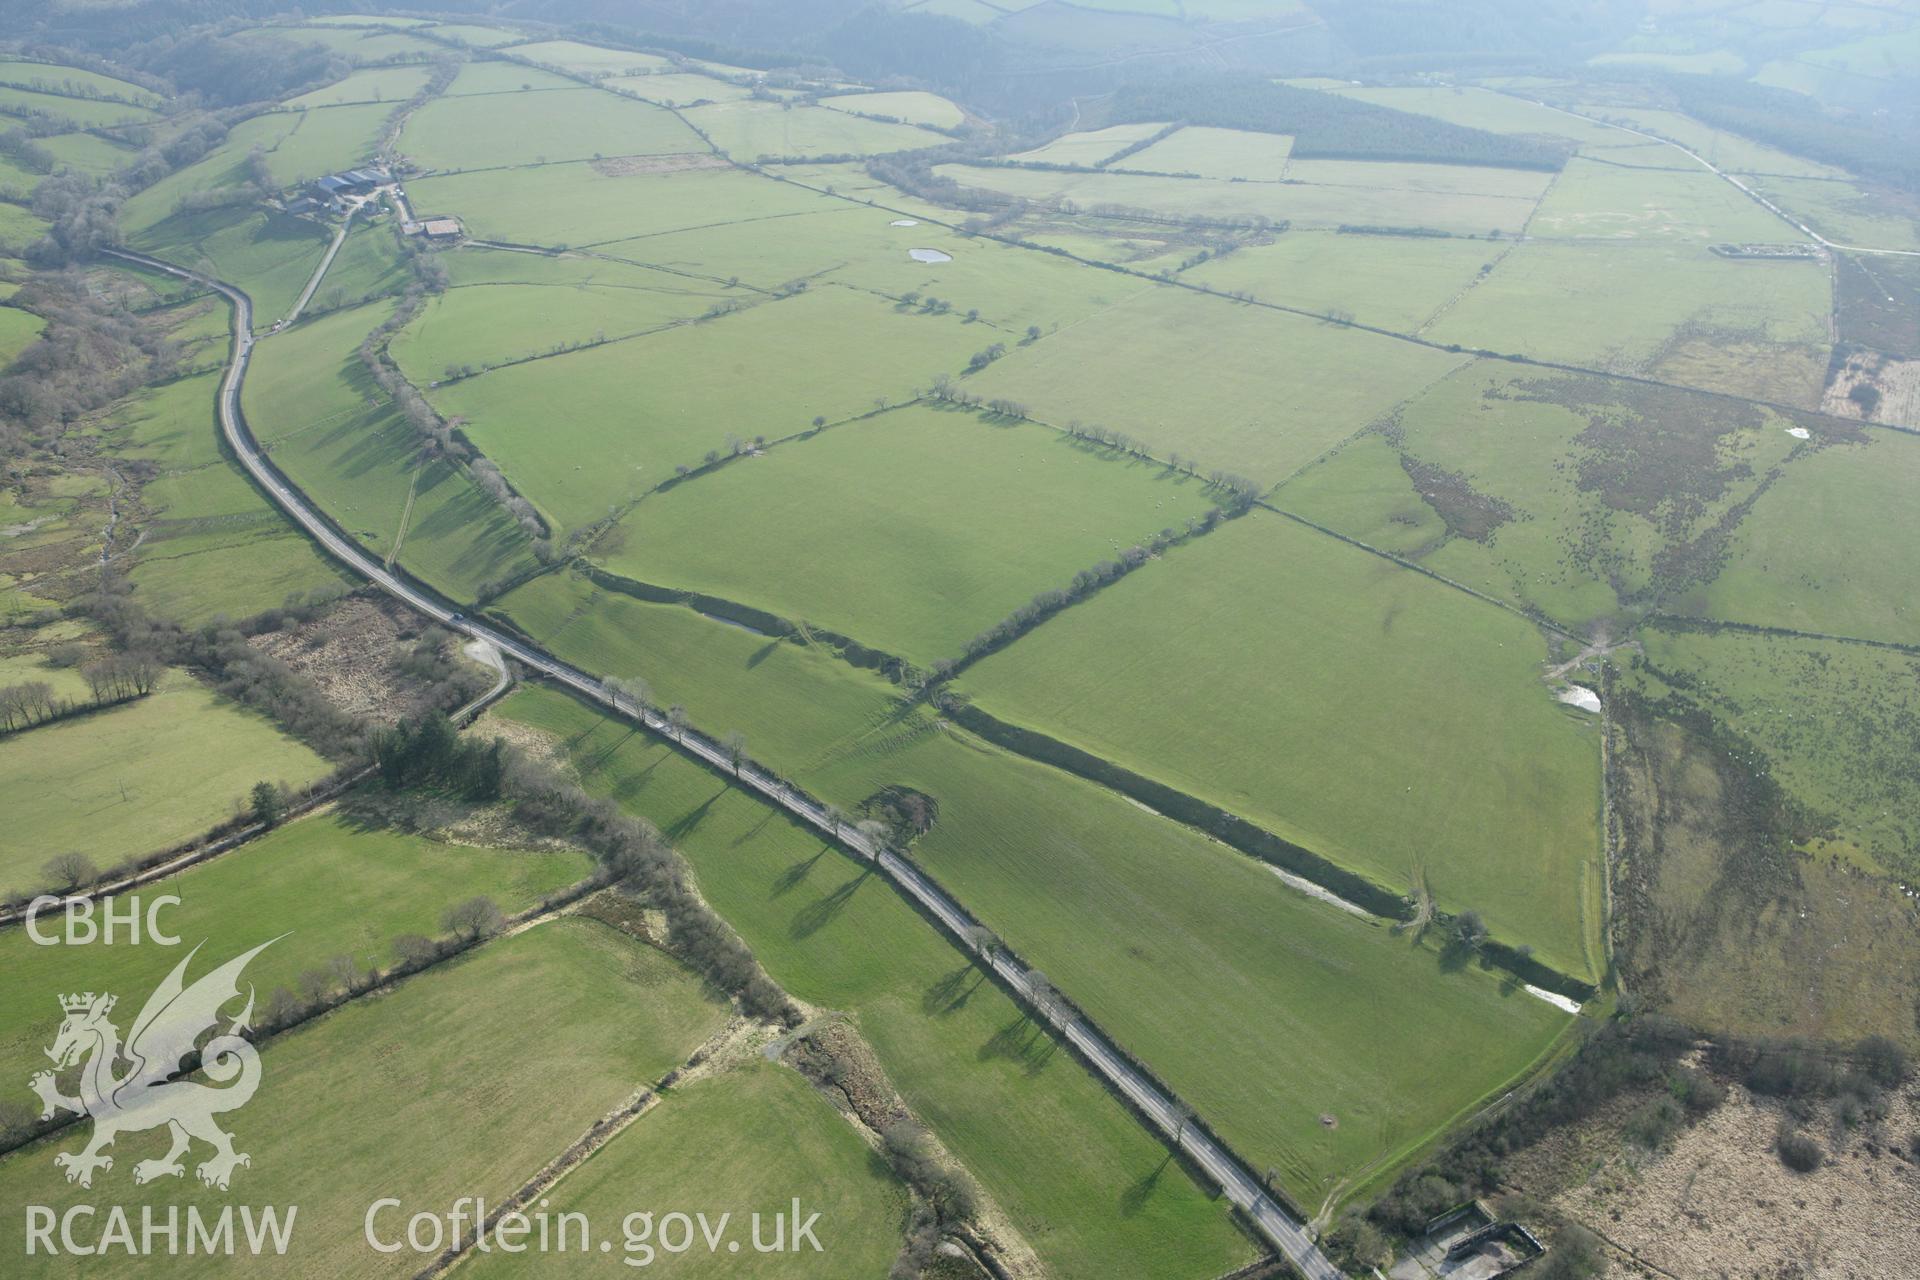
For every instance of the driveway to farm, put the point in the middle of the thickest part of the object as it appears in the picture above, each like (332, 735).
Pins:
(1274, 1221)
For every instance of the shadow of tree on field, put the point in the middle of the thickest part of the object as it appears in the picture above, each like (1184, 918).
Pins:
(1135, 1197)
(1024, 1041)
(818, 915)
(952, 992)
(791, 878)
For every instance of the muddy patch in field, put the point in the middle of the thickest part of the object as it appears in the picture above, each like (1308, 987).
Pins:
(929, 255)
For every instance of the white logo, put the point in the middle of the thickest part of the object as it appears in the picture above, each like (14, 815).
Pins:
(142, 1096)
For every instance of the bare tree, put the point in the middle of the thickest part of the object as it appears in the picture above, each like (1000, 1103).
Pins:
(736, 746)
(677, 721)
(835, 819)
(983, 940)
(71, 870)
(475, 918)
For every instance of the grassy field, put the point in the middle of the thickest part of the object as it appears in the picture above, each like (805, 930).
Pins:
(638, 409)
(484, 325)
(1216, 153)
(52, 77)
(478, 37)
(1333, 729)
(1835, 723)
(1723, 922)
(588, 59)
(224, 167)
(1477, 108)
(333, 884)
(506, 77)
(1728, 151)
(748, 130)
(577, 204)
(1240, 388)
(87, 152)
(1845, 212)
(746, 1143)
(1381, 201)
(1798, 561)
(268, 255)
(1010, 286)
(462, 1082)
(18, 331)
(1595, 201)
(327, 139)
(1642, 301)
(912, 105)
(796, 705)
(75, 786)
(486, 131)
(1089, 148)
(681, 89)
(1078, 1176)
(832, 530)
(1391, 282)
(322, 418)
(79, 113)
(376, 84)
(1586, 499)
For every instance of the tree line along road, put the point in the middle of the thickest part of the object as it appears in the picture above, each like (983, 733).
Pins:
(1273, 1220)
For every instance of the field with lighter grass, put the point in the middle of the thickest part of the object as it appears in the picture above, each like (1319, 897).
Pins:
(410, 1095)
(72, 786)
(831, 530)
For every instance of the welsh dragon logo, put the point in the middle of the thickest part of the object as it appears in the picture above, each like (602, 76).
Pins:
(145, 1095)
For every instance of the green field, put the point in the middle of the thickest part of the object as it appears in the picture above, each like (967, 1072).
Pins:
(1586, 499)
(325, 423)
(1011, 287)
(1380, 197)
(1392, 282)
(1830, 548)
(487, 131)
(1591, 201)
(1836, 723)
(576, 204)
(913, 106)
(18, 331)
(1642, 304)
(465, 1081)
(1216, 153)
(479, 37)
(1360, 678)
(490, 324)
(78, 113)
(1090, 148)
(833, 531)
(749, 130)
(376, 84)
(638, 409)
(795, 704)
(588, 59)
(1845, 212)
(73, 786)
(51, 77)
(1081, 1180)
(327, 139)
(1478, 108)
(333, 884)
(742, 1143)
(87, 152)
(1239, 388)
(268, 255)
(506, 77)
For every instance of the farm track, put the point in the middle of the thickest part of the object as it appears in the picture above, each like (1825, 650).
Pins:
(1277, 1223)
